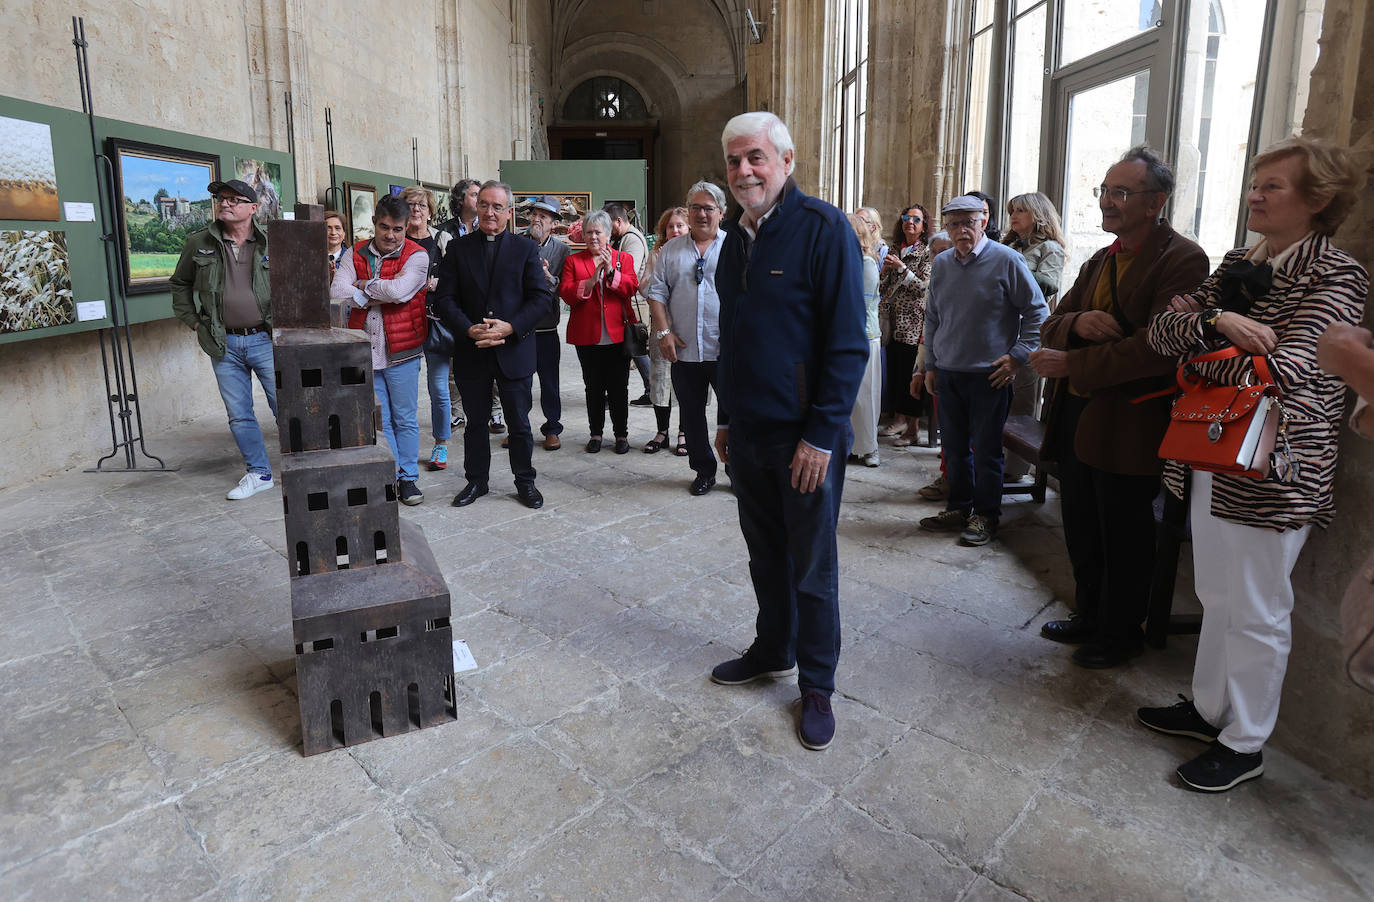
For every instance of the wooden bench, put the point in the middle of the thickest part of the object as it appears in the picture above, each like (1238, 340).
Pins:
(1023, 435)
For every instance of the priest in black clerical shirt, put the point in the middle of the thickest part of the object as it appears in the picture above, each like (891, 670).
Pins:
(492, 292)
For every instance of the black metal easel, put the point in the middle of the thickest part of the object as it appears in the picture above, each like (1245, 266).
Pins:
(333, 190)
(291, 142)
(117, 358)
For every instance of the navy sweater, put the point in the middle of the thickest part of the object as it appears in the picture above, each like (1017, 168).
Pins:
(792, 342)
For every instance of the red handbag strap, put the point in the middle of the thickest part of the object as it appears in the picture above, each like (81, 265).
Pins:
(1260, 364)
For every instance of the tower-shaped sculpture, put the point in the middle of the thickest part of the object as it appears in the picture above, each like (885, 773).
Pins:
(369, 607)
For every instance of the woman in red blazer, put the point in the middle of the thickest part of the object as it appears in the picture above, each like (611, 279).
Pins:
(598, 283)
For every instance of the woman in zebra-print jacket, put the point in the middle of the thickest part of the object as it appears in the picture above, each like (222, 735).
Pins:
(1273, 299)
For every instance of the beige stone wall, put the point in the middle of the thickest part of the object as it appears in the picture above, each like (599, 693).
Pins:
(221, 70)
(1324, 717)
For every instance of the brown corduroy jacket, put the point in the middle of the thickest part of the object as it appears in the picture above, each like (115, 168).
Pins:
(1114, 434)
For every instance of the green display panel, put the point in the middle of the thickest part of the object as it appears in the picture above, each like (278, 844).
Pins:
(604, 180)
(68, 133)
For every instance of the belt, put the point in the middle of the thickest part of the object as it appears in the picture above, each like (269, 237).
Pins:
(251, 330)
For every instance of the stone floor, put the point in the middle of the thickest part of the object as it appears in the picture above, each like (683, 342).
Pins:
(153, 743)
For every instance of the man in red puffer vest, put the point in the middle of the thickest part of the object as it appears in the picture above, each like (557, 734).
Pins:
(383, 280)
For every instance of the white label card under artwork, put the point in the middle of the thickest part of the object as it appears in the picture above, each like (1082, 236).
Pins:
(288, 216)
(462, 657)
(89, 310)
(79, 212)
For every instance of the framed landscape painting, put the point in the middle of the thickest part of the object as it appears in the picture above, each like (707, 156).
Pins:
(163, 197)
(362, 202)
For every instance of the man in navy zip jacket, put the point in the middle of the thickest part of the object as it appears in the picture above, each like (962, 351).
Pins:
(792, 354)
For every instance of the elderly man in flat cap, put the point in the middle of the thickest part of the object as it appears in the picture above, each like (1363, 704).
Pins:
(552, 252)
(983, 317)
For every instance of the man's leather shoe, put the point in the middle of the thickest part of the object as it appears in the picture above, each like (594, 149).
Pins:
(552, 442)
(529, 496)
(470, 493)
(1075, 629)
(702, 484)
(1104, 655)
(505, 442)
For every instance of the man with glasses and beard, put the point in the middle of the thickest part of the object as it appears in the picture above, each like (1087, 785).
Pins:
(685, 310)
(220, 291)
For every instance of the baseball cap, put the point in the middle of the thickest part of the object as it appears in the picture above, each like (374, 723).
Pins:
(549, 204)
(241, 188)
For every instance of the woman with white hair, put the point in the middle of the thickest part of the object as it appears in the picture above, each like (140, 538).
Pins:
(598, 284)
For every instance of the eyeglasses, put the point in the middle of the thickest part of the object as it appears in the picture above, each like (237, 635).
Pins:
(418, 205)
(952, 224)
(232, 201)
(1118, 194)
(906, 218)
(701, 269)
(486, 206)
(703, 208)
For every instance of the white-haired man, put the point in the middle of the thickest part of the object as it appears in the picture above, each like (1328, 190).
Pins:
(685, 308)
(792, 354)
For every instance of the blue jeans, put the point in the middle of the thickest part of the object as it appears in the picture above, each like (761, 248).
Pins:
(972, 414)
(793, 558)
(437, 368)
(246, 356)
(398, 391)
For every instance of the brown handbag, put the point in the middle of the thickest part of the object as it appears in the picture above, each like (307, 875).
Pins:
(1226, 428)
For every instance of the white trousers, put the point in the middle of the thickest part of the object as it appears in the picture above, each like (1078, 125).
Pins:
(1243, 576)
(864, 418)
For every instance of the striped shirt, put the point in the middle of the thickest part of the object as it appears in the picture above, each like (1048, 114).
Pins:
(1314, 286)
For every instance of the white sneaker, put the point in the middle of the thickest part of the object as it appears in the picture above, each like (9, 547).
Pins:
(250, 485)
(871, 459)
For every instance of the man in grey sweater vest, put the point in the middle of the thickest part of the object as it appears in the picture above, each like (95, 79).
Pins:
(983, 316)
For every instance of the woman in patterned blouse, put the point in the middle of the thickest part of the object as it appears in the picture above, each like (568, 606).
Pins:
(1273, 299)
(902, 315)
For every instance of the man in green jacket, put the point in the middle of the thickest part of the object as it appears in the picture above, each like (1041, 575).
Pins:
(220, 291)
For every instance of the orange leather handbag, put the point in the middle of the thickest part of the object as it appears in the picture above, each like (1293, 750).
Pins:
(1225, 428)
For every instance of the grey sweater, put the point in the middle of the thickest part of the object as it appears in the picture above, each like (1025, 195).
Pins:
(980, 309)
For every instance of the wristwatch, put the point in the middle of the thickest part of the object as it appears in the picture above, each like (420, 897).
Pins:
(662, 333)
(1209, 318)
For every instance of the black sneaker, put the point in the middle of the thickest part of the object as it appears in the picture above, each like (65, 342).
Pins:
(1219, 769)
(816, 728)
(409, 492)
(1181, 719)
(945, 521)
(741, 670)
(642, 401)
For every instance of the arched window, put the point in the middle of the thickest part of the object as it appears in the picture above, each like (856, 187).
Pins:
(604, 97)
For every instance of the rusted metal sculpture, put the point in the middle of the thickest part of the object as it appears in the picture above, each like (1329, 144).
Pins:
(369, 607)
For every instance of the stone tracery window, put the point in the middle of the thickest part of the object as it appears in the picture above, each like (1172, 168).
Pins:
(605, 97)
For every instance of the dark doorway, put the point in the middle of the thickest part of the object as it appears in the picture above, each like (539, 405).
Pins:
(603, 149)
(608, 142)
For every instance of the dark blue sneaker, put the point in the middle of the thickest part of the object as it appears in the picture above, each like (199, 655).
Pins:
(1220, 768)
(817, 725)
(738, 671)
(1179, 719)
